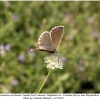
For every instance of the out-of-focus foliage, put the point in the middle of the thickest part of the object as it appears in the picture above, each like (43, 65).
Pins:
(21, 23)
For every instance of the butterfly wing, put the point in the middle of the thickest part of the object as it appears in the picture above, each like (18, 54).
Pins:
(56, 36)
(44, 41)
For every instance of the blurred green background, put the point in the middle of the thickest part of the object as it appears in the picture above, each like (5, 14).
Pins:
(21, 24)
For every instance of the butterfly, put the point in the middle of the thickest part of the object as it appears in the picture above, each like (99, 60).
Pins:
(49, 41)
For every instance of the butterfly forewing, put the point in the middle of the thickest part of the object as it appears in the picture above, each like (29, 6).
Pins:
(44, 41)
(56, 36)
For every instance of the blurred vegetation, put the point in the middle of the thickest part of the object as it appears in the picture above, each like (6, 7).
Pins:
(21, 24)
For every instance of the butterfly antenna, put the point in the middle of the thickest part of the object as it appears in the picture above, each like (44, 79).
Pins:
(61, 53)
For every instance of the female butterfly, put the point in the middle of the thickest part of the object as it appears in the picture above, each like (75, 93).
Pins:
(49, 41)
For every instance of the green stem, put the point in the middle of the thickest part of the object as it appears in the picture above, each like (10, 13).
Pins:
(44, 81)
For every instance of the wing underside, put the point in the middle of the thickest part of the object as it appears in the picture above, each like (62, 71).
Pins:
(56, 36)
(44, 41)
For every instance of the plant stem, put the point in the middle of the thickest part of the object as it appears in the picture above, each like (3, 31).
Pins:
(44, 81)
